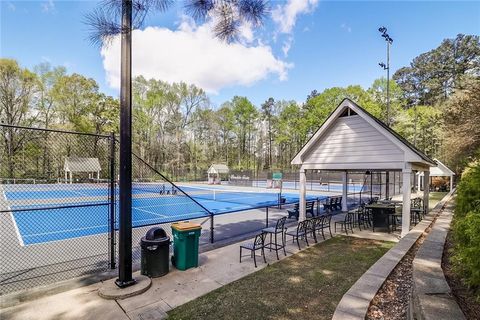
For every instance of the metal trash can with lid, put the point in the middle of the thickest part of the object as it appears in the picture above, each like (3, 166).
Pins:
(185, 244)
(155, 253)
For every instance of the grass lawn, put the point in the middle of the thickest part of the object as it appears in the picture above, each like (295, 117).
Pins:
(307, 285)
(435, 198)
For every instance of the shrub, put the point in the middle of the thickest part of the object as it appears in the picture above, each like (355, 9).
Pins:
(466, 228)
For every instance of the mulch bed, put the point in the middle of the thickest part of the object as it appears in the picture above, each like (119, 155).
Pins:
(392, 300)
(465, 297)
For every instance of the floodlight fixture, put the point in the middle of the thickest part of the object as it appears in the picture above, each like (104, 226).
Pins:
(386, 67)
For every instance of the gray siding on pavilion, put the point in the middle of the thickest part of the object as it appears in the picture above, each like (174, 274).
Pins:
(353, 140)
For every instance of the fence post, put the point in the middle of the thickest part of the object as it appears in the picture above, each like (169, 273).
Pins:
(112, 201)
(266, 217)
(211, 228)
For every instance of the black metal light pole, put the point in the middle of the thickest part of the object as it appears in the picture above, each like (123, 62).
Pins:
(389, 41)
(125, 278)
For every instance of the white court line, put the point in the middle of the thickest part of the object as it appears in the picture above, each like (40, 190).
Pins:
(17, 231)
(64, 230)
(155, 214)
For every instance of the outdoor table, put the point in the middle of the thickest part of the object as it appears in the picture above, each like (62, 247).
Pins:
(396, 202)
(381, 215)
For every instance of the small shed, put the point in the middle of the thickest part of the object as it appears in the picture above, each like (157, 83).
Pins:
(353, 139)
(216, 171)
(441, 170)
(81, 165)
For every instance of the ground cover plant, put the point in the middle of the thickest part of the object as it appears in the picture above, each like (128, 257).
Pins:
(307, 285)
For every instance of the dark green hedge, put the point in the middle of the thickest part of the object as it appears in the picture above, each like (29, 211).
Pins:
(466, 228)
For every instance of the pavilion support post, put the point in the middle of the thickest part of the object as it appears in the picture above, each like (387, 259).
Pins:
(426, 190)
(451, 182)
(407, 189)
(387, 184)
(302, 196)
(419, 182)
(345, 191)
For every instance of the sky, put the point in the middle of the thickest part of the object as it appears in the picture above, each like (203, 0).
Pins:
(302, 46)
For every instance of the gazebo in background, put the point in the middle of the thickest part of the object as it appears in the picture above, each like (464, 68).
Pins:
(440, 170)
(351, 139)
(73, 165)
(215, 173)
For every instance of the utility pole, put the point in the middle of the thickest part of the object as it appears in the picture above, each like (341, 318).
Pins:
(389, 41)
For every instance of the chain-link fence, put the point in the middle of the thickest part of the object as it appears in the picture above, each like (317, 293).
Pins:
(59, 205)
(54, 206)
(158, 201)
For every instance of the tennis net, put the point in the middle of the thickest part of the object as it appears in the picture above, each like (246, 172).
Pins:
(236, 196)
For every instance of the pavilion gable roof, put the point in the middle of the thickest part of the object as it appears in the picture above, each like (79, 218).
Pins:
(218, 168)
(74, 164)
(441, 170)
(361, 121)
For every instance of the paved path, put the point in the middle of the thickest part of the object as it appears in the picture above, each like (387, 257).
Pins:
(432, 297)
(217, 268)
(356, 301)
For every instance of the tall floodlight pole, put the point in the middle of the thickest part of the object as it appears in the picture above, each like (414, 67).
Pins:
(389, 41)
(125, 278)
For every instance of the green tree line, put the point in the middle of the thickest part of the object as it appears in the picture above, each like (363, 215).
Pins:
(434, 105)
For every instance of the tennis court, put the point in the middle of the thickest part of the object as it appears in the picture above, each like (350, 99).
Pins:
(51, 212)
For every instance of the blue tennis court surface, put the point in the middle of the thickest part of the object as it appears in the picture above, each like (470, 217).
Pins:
(148, 207)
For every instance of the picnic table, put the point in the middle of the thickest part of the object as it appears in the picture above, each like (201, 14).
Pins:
(382, 214)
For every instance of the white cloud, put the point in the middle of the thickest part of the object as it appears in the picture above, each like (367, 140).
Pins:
(287, 44)
(345, 27)
(193, 55)
(286, 16)
(48, 6)
(246, 33)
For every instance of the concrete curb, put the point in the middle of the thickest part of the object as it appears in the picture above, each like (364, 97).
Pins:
(356, 301)
(432, 298)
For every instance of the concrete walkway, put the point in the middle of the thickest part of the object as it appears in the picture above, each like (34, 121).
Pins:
(217, 268)
(356, 301)
(432, 297)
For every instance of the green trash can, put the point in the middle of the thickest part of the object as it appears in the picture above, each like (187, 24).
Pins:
(185, 244)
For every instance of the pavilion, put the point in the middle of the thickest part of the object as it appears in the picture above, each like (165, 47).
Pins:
(81, 165)
(351, 139)
(216, 171)
(441, 170)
